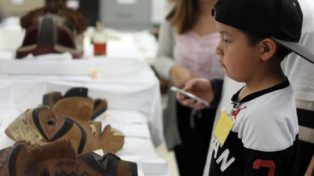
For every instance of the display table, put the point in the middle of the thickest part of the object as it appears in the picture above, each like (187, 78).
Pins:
(123, 77)
(127, 84)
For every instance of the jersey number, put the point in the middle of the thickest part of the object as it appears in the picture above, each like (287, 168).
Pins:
(265, 163)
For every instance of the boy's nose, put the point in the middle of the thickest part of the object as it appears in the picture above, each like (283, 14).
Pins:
(218, 50)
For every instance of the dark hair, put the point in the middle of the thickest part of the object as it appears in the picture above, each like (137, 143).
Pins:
(184, 15)
(281, 51)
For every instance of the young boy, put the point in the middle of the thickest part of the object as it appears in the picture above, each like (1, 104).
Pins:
(256, 135)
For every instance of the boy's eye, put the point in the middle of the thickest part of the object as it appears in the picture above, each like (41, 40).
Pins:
(226, 41)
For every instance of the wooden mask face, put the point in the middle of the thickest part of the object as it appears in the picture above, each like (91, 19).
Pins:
(41, 125)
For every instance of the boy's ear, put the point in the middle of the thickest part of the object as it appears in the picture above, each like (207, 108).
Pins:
(268, 49)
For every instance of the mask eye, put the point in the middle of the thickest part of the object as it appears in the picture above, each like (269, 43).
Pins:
(51, 121)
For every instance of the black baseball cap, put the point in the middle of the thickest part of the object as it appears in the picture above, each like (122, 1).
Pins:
(280, 20)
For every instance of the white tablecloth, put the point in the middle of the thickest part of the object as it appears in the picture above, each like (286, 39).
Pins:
(127, 84)
(123, 77)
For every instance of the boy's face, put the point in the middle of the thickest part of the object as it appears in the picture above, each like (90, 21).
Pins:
(238, 57)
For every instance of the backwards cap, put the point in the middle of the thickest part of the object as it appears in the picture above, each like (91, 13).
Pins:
(279, 19)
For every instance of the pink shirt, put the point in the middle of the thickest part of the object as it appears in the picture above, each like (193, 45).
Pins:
(197, 53)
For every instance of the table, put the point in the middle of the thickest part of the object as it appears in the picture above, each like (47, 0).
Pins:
(136, 93)
(123, 77)
(128, 84)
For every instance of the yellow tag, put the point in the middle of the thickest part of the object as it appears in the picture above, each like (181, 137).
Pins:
(223, 127)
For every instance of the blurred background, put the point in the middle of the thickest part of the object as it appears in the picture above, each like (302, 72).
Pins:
(118, 14)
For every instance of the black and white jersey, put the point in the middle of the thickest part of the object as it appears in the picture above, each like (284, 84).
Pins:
(262, 141)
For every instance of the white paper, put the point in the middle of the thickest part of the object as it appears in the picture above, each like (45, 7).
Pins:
(17, 2)
(74, 4)
(126, 2)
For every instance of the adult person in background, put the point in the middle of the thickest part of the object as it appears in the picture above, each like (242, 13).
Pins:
(187, 42)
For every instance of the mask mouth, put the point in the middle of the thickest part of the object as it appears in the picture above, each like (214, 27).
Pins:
(49, 35)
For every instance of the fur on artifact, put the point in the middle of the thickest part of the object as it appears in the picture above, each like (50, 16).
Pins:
(54, 28)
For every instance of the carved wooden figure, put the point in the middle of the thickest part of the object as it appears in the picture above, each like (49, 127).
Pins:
(60, 159)
(41, 125)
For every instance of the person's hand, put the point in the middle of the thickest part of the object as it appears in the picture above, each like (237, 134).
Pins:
(201, 88)
(179, 75)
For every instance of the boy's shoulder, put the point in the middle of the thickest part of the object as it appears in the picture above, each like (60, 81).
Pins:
(268, 122)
